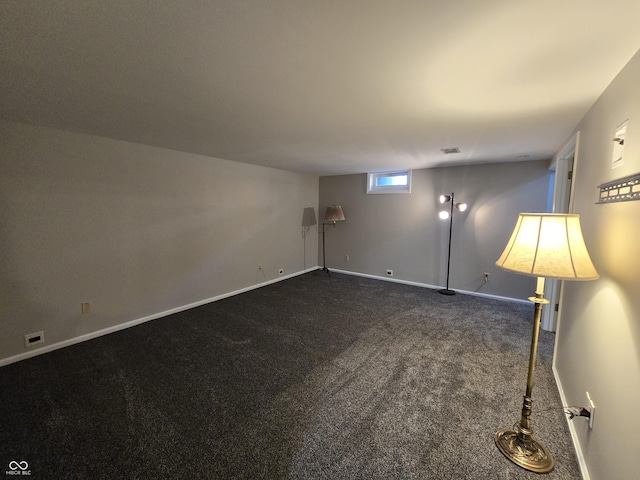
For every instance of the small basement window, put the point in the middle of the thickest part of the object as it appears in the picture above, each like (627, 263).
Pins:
(398, 181)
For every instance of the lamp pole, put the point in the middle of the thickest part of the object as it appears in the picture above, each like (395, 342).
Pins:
(446, 291)
(334, 213)
(518, 444)
(324, 255)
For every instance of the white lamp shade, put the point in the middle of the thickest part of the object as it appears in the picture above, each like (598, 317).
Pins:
(548, 245)
(334, 214)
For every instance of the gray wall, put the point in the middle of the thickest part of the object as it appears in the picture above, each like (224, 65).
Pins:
(598, 340)
(135, 230)
(403, 232)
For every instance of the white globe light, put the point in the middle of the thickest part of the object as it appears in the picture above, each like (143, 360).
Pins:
(443, 215)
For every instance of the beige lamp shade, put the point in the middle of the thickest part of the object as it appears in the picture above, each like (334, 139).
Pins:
(548, 245)
(334, 214)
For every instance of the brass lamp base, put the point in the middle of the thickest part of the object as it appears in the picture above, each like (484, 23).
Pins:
(518, 444)
(523, 450)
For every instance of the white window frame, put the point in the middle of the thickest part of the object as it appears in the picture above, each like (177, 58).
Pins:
(372, 180)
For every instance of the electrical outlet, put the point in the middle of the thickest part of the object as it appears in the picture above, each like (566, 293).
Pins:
(486, 276)
(592, 409)
(85, 308)
(389, 272)
(259, 266)
(31, 339)
(346, 258)
(281, 271)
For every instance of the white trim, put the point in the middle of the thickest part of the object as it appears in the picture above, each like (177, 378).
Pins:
(572, 429)
(155, 316)
(431, 287)
(138, 321)
(568, 156)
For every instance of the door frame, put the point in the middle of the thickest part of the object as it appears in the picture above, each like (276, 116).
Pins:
(564, 161)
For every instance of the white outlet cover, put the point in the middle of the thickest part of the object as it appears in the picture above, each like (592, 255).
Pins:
(592, 410)
(32, 339)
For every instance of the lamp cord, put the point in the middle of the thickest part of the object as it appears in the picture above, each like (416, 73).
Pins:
(571, 410)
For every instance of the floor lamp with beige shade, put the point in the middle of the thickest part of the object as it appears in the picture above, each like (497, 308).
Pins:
(542, 245)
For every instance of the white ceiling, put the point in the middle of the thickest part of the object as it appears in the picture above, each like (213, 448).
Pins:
(317, 86)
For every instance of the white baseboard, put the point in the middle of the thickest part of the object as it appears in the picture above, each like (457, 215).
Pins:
(426, 285)
(574, 435)
(138, 321)
(89, 336)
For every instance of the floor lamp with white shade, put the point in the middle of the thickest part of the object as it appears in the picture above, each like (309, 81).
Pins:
(542, 245)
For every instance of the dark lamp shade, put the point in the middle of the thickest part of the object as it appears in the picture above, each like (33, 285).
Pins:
(548, 245)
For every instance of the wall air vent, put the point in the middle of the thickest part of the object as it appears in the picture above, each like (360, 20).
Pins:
(450, 150)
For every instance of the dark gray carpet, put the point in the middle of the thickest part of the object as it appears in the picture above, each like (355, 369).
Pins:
(314, 377)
